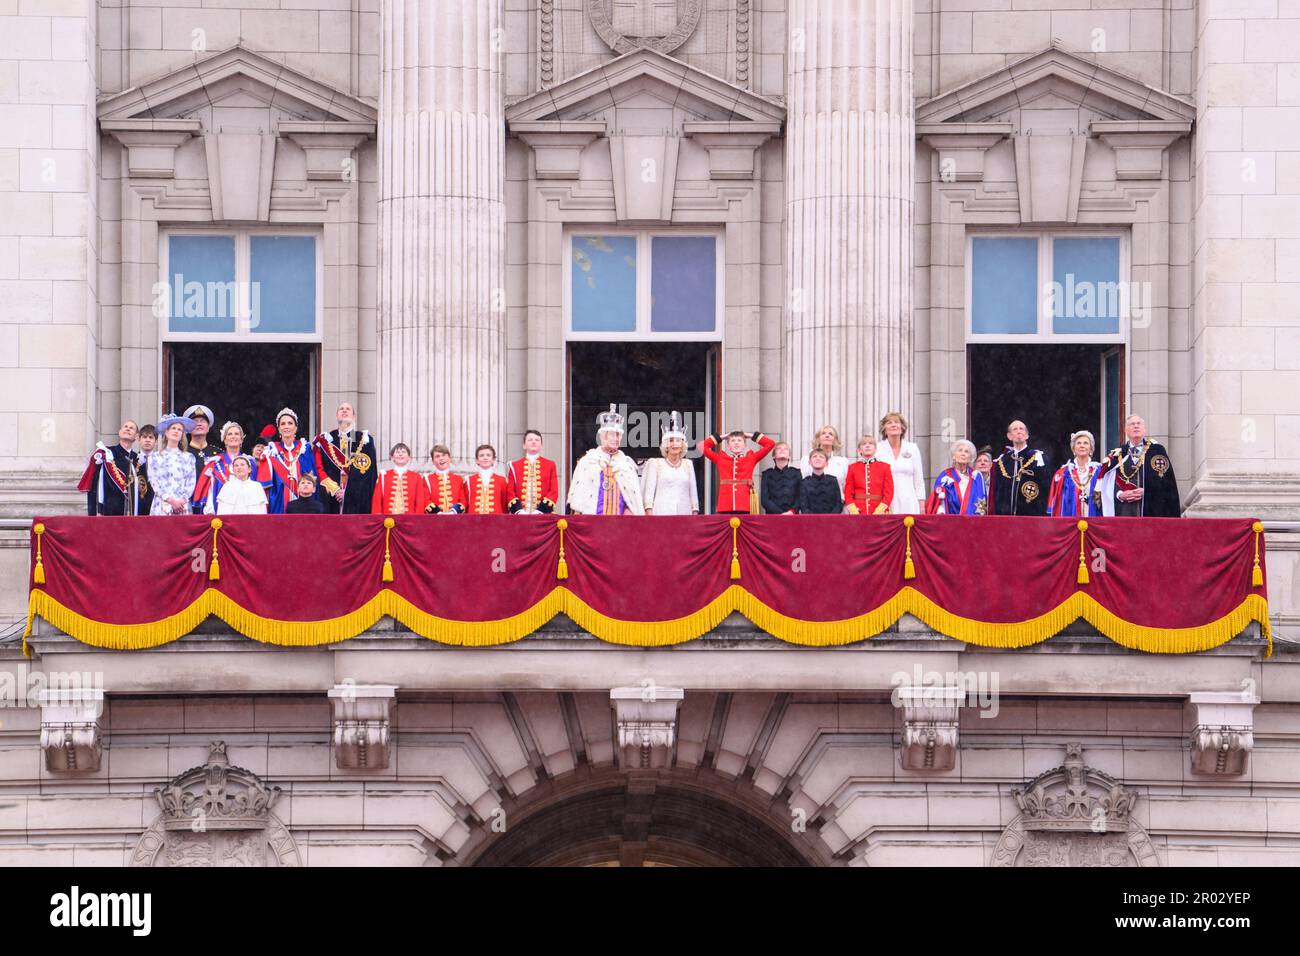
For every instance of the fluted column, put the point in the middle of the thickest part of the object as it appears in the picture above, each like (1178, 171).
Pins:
(849, 182)
(441, 226)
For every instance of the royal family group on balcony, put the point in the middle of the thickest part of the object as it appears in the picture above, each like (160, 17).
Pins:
(177, 470)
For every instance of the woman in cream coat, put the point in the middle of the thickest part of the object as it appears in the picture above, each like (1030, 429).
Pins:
(905, 459)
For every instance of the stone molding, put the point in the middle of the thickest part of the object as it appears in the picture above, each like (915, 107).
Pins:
(647, 724)
(931, 716)
(71, 736)
(1223, 733)
(1074, 815)
(363, 716)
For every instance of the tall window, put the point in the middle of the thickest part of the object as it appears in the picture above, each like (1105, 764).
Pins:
(644, 285)
(240, 316)
(1059, 287)
(239, 286)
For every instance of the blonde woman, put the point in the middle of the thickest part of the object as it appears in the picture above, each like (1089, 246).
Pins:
(827, 441)
(904, 457)
(668, 486)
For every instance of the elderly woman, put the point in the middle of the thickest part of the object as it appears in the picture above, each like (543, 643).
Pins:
(171, 468)
(904, 459)
(959, 489)
(827, 441)
(605, 480)
(668, 485)
(217, 470)
(1074, 491)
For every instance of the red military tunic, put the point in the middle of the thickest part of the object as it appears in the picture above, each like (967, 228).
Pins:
(399, 494)
(445, 493)
(533, 485)
(868, 488)
(736, 473)
(487, 497)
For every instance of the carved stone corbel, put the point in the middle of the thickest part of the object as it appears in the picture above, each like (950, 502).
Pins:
(557, 145)
(930, 726)
(645, 176)
(362, 724)
(731, 146)
(1140, 145)
(329, 147)
(71, 737)
(961, 147)
(647, 725)
(151, 143)
(1223, 733)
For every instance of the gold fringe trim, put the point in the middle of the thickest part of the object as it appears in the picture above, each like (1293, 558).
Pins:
(387, 603)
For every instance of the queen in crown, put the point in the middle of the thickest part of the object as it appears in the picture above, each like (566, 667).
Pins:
(668, 485)
(605, 481)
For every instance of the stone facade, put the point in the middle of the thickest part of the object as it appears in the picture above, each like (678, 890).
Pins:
(844, 152)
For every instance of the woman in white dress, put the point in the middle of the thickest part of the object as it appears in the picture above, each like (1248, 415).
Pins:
(241, 495)
(668, 485)
(904, 457)
(171, 468)
(827, 440)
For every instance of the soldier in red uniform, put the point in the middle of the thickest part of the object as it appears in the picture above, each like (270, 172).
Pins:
(869, 484)
(399, 491)
(532, 483)
(444, 490)
(487, 491)
(736, 470)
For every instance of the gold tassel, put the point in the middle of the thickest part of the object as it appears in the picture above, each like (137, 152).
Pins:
(735, 552)
(909, 568)
(562, 569)
(1256, 573)
(1082, 577)
(38, 575)
(387, 576)
(214, 569)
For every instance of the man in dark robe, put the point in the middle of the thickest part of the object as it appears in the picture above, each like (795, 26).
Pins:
(345, 462)
(109, 481)
(1139, 477)
(1022, 476)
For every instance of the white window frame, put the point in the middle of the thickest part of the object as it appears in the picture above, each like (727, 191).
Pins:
(243, 268)
(642, 332)
(1044, 334)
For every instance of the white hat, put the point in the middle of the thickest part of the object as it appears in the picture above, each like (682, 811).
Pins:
(203, 410)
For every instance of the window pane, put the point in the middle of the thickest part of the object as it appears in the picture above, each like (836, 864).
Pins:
(604, 283)
(1085, 284)
(683, 284)
(282, 296)
(1004, 286)
(201, 284)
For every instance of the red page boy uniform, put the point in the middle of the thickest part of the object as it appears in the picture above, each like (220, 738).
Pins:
(868, 488)
(399, 492)
(736, 472)
(445, 493)
(488, 493)
(533, 485)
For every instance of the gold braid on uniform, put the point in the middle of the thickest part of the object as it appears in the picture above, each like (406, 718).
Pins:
(1019, 471)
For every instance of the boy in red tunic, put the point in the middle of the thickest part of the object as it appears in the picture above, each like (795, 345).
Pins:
(487, 491)
(736, 496)
(444, 490)
(532, 482)
(399, 491)
(869, 484)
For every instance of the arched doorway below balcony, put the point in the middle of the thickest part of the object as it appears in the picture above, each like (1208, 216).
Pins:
(651, 818)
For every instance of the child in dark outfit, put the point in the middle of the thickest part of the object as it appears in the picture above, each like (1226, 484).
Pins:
(306, 502)
(819, 493)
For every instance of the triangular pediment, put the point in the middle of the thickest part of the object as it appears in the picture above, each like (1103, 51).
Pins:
(236, 84)
(1046, 88)
(645, 80)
